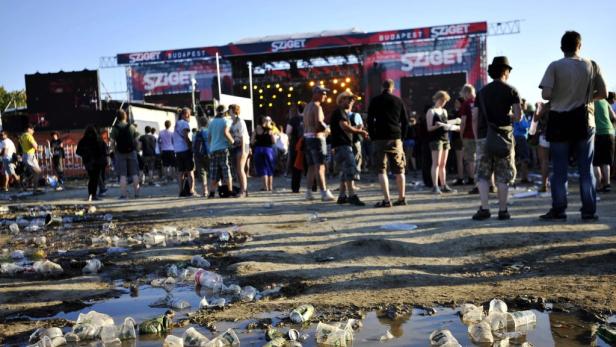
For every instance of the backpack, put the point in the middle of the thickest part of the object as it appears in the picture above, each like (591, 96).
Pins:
(125, 143)
(200, 145)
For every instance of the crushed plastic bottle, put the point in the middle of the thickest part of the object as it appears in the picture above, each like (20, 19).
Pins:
(302, 314)
(199, 261)
(227, 339)
(316, 218)
(88, 325)
(331, 335)
(109, 335)
(126, 331)
(232, 289)
(387, 336)
(208, 279)
(14, 228)
(44, 342)
(11, 269)
(47, 267)
(497, 305)
(443, 338)
(173, 341)
(93, 266)
(471, 313)
(224, 236)
(172, 271)
(193, 338)
(41, 332)
(248, 293)
(521, 321)
(481, 332)
(178, 304)
(154, 239)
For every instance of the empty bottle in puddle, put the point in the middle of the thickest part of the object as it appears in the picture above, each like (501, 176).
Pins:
(233, 289)
(92, 266)
(199, 261)
(39, 333)
(44, 342)
(193, 338)
(248, 293)
(481, 332)
(521, 321)
(497, 305)
(126, 331)
(109, 335)
(208, 279)
(178, 304)
(471, 313)
(173, 341)
(302, 314)
(331, 335)
(226, 339)
(443, 338)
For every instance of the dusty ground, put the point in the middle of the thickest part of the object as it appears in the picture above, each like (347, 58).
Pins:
(346, 259)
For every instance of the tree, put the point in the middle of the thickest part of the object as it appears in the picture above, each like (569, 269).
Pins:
(16, 98)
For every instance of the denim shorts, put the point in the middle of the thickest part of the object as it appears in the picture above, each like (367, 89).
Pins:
(316, 151)
(345, 160)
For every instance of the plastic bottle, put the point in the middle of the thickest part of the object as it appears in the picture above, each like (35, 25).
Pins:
(497, 305)
(14, 228)
(109, 335)
(208, 279)
(11, 269)
(226, 339)
(44, 342)
(47, 267)
(127, 331)
(248, 293)
(151, 240)
(193, 338)
(178, 304)
(173, 341)
(172, 271)
(521, 321)
(92, 266)
(302, 314)
(471, 313)
(232, 289)
(203, 303)
(481, 332)
(199, 261)
(157, 325)
(330, 335)
(443, 338)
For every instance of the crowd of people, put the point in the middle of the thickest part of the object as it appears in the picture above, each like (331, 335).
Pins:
(487, 138)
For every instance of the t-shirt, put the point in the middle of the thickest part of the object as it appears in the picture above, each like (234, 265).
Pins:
(520, 129)
(466, 110)
(25, 141)
(115, 130)
(9, 148)
(387, 119)
(356, 121)
(56, 148)
(166, 140)
(179, 142)
(338, 136)
(498, 97)
(297, 123)
(602, 118)
(148, 145)
(239, 131)
(218, 140)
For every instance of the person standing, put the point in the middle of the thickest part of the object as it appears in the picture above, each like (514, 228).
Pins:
(455, 140)
(438, 132)
(265, 154)
(387, 125)
(522, 152)
(28, 147)
(220, 139)
(315, 134)
(493, 110)
(167, 153)
(57, 157)
(124, 143)
(7, 153)
(241, 147)
(148, 152)
(295, 131)
(201, 153)
(356, 122)
(342, 140)
(182, 146)
(469, 145)
(604, 144)
(571, 84)
(93, 152)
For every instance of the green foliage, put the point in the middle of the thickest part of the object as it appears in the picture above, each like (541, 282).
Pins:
(19, 97)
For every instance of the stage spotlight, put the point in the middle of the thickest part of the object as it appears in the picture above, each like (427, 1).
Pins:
(290, 89)
(335, 91)
(245, 87)
(261, 97)
(280, 90)
(321, 82)
(289, 103)
(260, 90)
(348, 79)
(274, 96)
(329, 100)
(289, 95)
(270, 104)
(335, 81)
(268, 86)
(342, 84)
(311, 83)
(254, 87)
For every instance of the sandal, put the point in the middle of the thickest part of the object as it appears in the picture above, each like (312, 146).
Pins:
(384, 203)
(400, 202)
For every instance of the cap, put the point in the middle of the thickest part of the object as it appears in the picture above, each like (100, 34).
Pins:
(320, 90)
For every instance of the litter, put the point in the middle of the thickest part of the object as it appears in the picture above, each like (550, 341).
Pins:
(398, 227)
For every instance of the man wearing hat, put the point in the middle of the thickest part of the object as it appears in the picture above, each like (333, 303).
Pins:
(342, 144)
(315, 133)
(493, 109)
(220, 139)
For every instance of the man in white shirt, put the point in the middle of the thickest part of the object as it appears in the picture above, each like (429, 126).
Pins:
(182, 146)
(7, 150)
(167, 153)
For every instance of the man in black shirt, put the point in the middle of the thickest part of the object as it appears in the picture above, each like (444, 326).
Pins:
(493, 108)
(148, 153)
(342, 145)
(387, 123)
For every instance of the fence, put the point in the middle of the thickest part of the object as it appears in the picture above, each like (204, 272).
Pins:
(73, 166)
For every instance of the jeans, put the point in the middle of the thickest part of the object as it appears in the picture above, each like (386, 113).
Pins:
(585, 150)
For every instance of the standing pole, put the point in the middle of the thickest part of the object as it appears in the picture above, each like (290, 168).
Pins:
(252, 124)
(218, 74)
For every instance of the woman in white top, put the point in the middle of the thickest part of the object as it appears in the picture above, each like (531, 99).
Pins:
(241, 147)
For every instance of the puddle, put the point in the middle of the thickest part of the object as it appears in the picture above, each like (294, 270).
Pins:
(553, 328)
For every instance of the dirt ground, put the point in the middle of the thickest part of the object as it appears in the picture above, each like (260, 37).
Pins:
(347, 258)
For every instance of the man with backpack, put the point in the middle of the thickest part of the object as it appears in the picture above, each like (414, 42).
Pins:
(182, 146)
(148, 154)
(202, 157)
(124, 143)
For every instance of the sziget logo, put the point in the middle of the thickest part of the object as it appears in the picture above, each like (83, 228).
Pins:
(152, 81)
(146, 56)
(449, 30)
(431, 58)
(287, 44)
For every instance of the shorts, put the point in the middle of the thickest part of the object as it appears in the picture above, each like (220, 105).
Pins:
(522, 152)
(503, 168)
(239, 150)
(202, 166)
(219, 165)
(149, 163)
(316, 151)
(184, 161)
(469, 150)
(456, 142)
(31, 161)
(410, 143)
(345, 160)
(439, 145)
(126, 164)
(604, 150)
(168, 158)
(8, 168)
(543, 142)
(389, 151)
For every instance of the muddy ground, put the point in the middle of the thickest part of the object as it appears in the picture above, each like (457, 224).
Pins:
(345, 260)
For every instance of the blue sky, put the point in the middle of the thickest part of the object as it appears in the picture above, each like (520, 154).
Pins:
(48, 36)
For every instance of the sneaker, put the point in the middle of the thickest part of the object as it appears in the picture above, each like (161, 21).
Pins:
(354, 200)
(212, 195)
(481, 214)
(474, 191)
(447, 189)
(309, 195)
(504, 215)
(492, 189)
(543, 189)
(436, 191)
(400, 202)
(605, 189)
(458, 182)
(589, 217)
(470, 181)
(384, 203)
(342, 199)
(553, 215)
(326, 195)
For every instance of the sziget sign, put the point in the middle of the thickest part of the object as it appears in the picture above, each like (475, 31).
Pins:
(431, 58)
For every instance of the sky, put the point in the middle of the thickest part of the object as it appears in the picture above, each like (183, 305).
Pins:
(49, 36)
